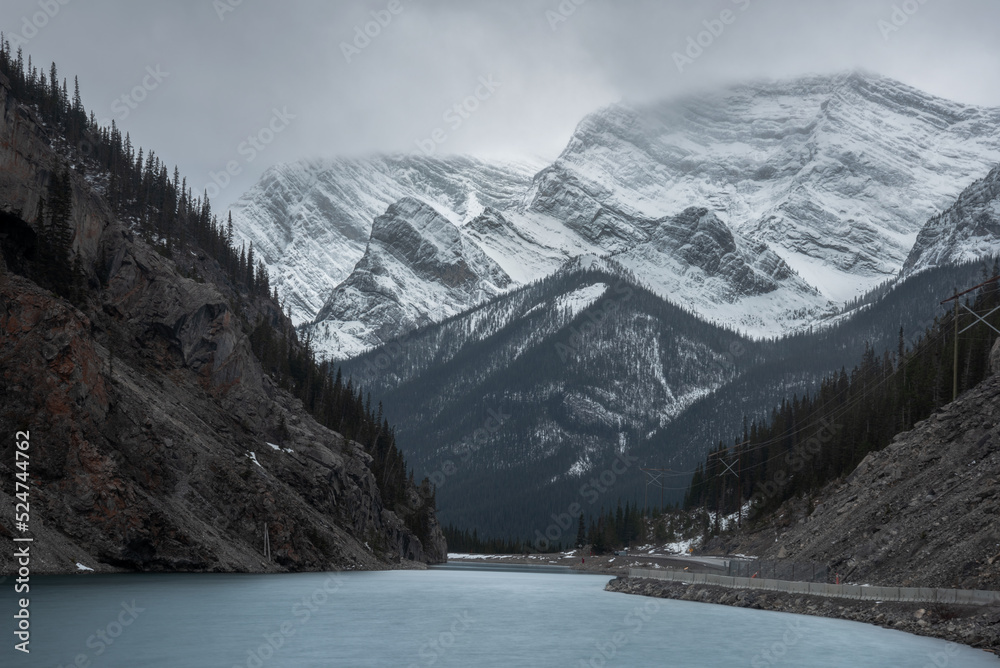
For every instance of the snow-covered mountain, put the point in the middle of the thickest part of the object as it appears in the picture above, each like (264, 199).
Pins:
(416, 269)
(968, 230)
(836, 174)
(763, 206)
(310, 221)
(694, 260)
(518, 402)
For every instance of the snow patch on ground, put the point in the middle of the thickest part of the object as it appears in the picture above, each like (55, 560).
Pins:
(81, 567)
(581, 298)
(836, 285)
(680, 546)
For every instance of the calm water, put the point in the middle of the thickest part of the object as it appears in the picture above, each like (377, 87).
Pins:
(442, 617)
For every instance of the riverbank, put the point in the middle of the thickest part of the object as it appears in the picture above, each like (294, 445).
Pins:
(605, 565)
(608, 564)
(976, 626)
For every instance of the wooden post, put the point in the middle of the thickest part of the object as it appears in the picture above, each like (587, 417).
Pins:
(954, 392)
(645, 500)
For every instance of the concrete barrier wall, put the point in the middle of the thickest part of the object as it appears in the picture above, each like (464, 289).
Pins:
(901, 594)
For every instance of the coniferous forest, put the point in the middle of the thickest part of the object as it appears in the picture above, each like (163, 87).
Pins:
(160, 206)
(848, 413)
(812, 440)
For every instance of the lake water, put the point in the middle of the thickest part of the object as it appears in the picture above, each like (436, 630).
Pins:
(455, 616)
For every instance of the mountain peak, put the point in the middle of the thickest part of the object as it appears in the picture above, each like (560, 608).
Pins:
(417, 268)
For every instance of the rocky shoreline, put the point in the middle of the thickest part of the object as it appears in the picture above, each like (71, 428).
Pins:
(976, 626)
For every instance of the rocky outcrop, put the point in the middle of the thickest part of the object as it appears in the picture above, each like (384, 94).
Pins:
(310, 220)
(921, 512)
(417, 268)
(967, 230)
(156, 440)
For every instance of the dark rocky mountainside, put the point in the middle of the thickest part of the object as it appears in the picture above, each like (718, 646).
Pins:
(151, 420)
(921, 512)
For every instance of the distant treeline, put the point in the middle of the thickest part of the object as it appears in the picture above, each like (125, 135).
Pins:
(812, 440)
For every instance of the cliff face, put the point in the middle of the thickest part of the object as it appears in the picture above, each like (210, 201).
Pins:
(921, 512)
(157, 442)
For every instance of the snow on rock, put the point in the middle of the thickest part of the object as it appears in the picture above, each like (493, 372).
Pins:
(417, 268)
(967, 230)
(762, 206)
(576, 301)
(310, 221)
(840, 171)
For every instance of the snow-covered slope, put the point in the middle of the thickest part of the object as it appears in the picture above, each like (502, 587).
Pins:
(814, 191)
(968, 230)
(310, 221)
(416, 269)
(564, 374)
(835, 174)
(697, 262)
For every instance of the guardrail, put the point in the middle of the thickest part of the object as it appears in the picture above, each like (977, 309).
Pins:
(780, 569)
(857, 592)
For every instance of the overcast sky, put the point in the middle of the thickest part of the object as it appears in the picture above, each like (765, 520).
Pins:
(225, 66)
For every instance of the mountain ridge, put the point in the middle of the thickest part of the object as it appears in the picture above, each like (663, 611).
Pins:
(830, 176)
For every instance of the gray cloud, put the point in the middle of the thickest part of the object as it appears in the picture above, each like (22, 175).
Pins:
(555, 61)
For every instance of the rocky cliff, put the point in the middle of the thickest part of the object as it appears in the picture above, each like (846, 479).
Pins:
(921, 512)
(967, 230)
(417, 268)
(156, 440)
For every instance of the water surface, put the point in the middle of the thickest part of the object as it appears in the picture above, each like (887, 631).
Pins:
(455, 616)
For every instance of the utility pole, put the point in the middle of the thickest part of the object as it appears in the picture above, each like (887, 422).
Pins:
(978, 317)
(653, 477)
(739, 477)
(954, 384)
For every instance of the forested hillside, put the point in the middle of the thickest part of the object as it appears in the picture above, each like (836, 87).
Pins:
(103, 225)
(812, 439)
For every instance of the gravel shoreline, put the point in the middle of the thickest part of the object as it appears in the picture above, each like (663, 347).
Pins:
(975, 626)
